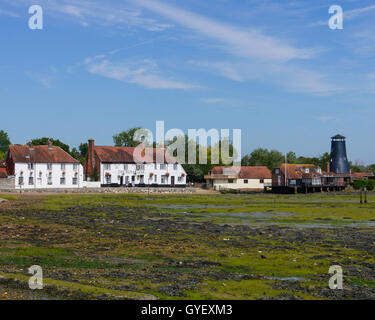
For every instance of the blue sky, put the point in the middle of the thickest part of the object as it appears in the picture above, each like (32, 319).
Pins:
(271, 68)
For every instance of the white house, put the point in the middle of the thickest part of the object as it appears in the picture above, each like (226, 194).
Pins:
(245, 178)
(121, 166)
(47, 166)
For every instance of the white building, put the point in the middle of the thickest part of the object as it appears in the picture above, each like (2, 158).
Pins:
(120, 166)
(43, 167)
(240, 178)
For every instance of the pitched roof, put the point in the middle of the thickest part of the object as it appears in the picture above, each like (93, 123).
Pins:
(362, 175)
(40, 154)
(298, 171)
(129, 155)
(256, 172)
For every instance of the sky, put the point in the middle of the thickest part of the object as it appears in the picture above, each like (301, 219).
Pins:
(273, 69)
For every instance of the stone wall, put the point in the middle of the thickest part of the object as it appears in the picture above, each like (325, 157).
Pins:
(7, 184)
(105, 190)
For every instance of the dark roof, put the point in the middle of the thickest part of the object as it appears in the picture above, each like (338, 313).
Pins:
(256, 172)
(129, 155)
(338, 136)
(40, 154)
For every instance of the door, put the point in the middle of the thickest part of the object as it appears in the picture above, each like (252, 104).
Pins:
(172, 180)
(121, 181)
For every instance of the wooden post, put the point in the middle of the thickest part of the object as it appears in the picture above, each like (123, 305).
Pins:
(361, 196)
(365, 195)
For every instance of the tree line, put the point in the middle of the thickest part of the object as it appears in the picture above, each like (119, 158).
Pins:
(195, 172)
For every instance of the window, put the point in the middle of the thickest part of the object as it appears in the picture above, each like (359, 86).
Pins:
(164, 179)
(277, 171)
(62, 166)
(107, 166)
(307, 170)
(75, 167)
(49, 179)
(62, 180)
(230, 181)
(125, 167)
(155, 178)
(49, 166)
(246, 181)
(175, 166)
(155, 166)
(20, 180)
(75, 181)
(30, 166)
(293, 182)
(261, 181)
(180, 179)
(163, 166)
(31, 181)
(108, 179)
(140, 167)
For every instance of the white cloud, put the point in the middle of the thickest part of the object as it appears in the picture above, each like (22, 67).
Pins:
(243, 43)
(348, 15)
(213, 100)
(96, 13)
(325, 118)
(45, 80)
(294, 79)
(8, 13)
(144, 74)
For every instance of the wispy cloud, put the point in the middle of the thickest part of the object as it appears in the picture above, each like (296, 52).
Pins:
(348, 15)
(213, 100)
(144, 73)
(43, 79)
(93, 12)
(325, 118)
(8, 13)
(294, 79)
(249, 44)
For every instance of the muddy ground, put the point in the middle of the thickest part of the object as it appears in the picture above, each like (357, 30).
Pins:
(187, 247)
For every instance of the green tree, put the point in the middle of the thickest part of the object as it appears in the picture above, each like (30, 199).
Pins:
(83, 149)
(264, 157)
(55, 142)
(4, 143)
(126, 138)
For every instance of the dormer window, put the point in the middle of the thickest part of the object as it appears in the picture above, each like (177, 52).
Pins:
(307, 170)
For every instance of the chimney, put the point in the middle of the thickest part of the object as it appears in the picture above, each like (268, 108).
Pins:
(31, 147)
(90, 162)
(50, 144)
(328, 167)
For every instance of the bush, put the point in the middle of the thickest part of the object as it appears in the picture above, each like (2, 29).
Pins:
(361, 184)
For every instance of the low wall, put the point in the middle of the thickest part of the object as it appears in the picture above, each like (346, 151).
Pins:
(7, 183)
(91, 184)
(105, 190)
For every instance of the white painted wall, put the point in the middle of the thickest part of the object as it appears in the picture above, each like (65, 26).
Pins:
(40, 174)
(118, 170)
(240, 184)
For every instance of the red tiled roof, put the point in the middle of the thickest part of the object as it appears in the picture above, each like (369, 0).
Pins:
(40, 154)
(3, 173)
(255, 172)
(129, 155)
(297, 171)
(362, 175)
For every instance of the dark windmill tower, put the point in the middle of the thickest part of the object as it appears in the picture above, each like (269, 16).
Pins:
(339, 160)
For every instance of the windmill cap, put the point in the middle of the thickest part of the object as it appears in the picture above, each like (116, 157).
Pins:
(338, 136)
